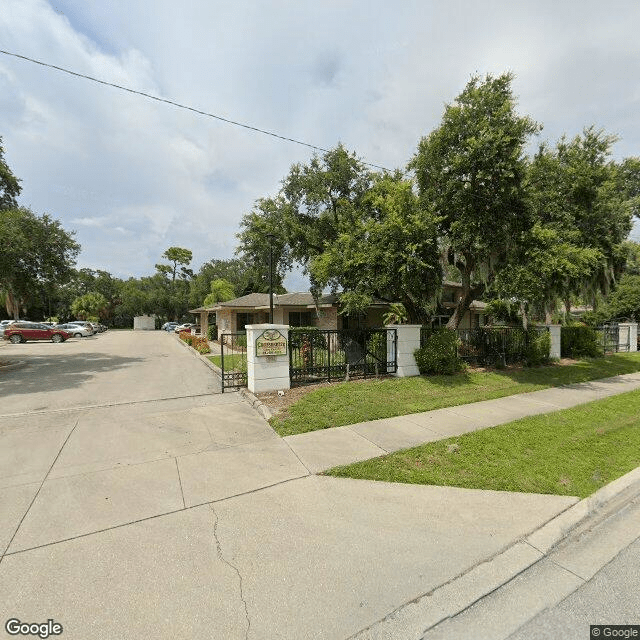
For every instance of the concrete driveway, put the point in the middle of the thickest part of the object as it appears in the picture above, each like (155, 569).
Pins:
(137, 502)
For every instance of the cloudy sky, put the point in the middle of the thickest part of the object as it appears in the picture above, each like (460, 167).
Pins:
(133, 176)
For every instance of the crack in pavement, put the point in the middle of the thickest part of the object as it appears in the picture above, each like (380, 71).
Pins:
(223, 559)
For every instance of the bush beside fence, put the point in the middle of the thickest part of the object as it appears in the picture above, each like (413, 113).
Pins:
(579, 341)
(484, 346)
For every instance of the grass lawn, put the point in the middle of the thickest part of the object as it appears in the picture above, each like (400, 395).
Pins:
(352, 402)
(232, 361)
(571, 452)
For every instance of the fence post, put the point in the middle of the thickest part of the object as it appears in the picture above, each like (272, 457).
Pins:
(633, 334)
(554, 333)
(267, 372)
(408, 342)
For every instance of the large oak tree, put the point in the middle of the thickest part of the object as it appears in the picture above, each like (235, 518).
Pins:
(471, 175)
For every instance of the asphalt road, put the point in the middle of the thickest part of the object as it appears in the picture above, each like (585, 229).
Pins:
(591, 578)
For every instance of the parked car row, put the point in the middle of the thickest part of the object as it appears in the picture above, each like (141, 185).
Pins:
(175, 327)
(23, 330)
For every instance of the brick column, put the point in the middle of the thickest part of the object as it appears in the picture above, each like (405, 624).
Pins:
(266, 373)
(408, 342)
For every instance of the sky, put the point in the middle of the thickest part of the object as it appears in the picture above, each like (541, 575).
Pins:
(134, 176)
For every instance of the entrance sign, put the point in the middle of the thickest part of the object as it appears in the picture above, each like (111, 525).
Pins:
(271, 343)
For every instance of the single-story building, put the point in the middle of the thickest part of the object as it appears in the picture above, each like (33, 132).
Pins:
(294, 309)
(300, 310)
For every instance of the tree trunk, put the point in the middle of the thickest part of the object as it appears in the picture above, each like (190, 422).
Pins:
(12, 305)
(567, 309)
(525, 320)
(547, 313)
(465, 301)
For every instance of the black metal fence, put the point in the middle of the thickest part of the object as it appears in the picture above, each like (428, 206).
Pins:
(487, 346)
(320, 355)
(613, 338)
(233, 360)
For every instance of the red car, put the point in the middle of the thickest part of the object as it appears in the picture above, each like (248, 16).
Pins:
(22, 331)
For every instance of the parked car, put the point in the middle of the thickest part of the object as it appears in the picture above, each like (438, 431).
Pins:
(169, 326)
(76, 330)
(184, 327)
(23, 331)
(84, 323)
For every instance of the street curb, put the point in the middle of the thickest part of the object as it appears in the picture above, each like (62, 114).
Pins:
(199, 356)
(257, 404)
(415, 618)
(18, 364)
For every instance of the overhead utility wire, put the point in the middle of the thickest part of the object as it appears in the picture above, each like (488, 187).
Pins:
(181, 106)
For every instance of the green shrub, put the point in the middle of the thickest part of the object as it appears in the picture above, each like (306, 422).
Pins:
(440, 354)
(538, 347)
(579, 341)
(213, 332)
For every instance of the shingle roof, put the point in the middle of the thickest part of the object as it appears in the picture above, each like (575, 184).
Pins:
(258, 300)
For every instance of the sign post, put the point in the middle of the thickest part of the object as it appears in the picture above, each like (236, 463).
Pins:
(267, 357)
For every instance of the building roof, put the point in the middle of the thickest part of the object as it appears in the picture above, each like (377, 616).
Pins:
(261, 301)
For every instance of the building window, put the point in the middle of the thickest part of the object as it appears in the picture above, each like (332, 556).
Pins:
(242, 320)
(302, 319)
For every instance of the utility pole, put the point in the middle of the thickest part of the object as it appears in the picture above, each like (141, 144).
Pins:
(271, 237)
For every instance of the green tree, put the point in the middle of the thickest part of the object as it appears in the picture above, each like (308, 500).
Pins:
(582, 204)
(245, 276)
(9, 184)
(630, 250)
(177, 256)
(92, 304)
(36, 252)
(470, 173)
(624, 302)
(315, 204)
(221, 290)
(172, 296)
(389, 250)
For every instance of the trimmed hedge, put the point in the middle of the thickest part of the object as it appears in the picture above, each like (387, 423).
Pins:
(579, 341)
(439, 356)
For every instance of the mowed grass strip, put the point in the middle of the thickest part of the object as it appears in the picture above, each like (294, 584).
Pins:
(352, 402)
(571, 452)
(232, 362)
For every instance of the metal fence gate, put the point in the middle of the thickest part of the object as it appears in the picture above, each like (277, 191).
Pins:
(233, 360)
(326, 355)
(614, 338)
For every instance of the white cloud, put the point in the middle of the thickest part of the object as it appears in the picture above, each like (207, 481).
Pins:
(136, 176)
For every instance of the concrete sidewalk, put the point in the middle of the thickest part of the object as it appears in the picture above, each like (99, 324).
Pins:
(327, 448)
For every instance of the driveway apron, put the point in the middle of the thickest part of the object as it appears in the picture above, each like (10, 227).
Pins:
(138, 502)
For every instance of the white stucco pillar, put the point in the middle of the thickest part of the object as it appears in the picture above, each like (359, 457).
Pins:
(633, 335)
(554, 333)
(267, 373)
(408, 342)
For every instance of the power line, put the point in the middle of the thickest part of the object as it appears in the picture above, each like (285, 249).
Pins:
(180, 106)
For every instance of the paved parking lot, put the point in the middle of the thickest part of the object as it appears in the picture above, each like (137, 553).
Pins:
(138, 502)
